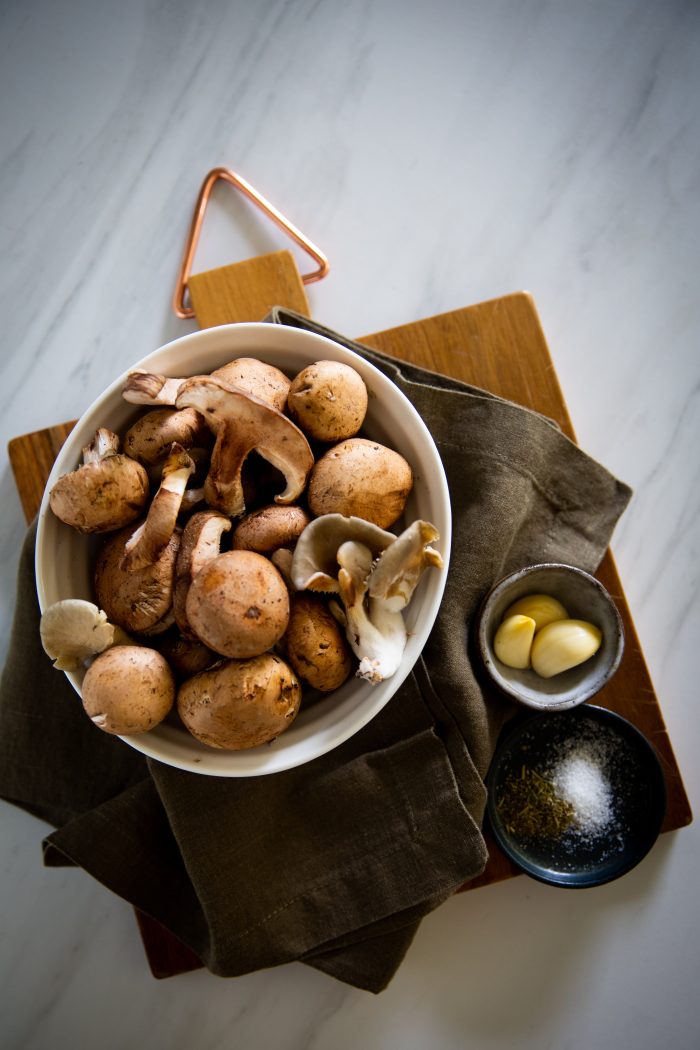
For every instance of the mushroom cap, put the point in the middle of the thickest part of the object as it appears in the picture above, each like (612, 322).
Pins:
(186, 656)
(136, 599)
(238, 604)
(328, 400)
(240, 703)
(315, 644)
(128, 689)
(269, 528)
(102, 495)
(315, 563)
(258, 378)
(72, 630)
(149, 439)
(363, 479)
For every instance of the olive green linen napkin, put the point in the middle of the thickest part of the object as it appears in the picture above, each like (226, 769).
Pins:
(333, 863)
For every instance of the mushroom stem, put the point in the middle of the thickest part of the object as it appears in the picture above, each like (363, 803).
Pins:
(377, 634)
(104, 443)
(153, 535)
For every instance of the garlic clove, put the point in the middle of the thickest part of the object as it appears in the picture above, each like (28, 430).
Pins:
(513, 641)
(541, 607)
(562, 645)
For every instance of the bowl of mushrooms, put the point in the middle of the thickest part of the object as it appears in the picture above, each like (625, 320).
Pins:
(242, 549)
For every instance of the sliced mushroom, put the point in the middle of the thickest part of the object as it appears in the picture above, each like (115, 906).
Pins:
(73, 630)
(134, 599)
(107, 492)
(377, 635)
(269, 528)
(361, 478)
(395, 576)
(243, 423)
(240, 703)
(128, 689)
(238, 604)
(200, 542)
(328, 400)
(152, 536)
(258, 378)
(149, 440)
(315, 563)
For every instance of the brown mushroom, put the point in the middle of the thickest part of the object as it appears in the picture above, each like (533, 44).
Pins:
(258, 378)
(186, 656)
(148, 441)
(315, 645)
(363, 479)
(240, 703)
(134, 599)
(269, 528)
(145, 545)
(243, 423)
(238, 604)
(200, 542)
(128, 689)
(107, 492)
(328, 400)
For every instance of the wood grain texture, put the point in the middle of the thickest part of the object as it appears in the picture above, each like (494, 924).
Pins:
(497, 345)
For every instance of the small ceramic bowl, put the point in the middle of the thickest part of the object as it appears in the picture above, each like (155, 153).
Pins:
(584, 599)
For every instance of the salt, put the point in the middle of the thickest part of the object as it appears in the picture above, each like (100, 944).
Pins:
(579, 780)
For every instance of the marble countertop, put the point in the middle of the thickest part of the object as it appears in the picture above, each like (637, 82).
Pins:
(441, 154)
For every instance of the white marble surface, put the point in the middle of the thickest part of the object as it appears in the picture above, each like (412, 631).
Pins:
(441, 153)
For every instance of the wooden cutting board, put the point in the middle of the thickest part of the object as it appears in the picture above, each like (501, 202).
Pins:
(497, 345)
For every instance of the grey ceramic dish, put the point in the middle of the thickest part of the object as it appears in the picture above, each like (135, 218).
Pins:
(585, 599)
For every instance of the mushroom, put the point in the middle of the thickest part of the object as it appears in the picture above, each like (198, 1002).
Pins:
(315, 563)
(134, 599)
(73, 630)
(269, 528)
(328, 400)
(128, 689)
(258, 378)
(363, 479)
(200, 542)
(149, 440)
(107, 492)
(238, 604)
(395, 575)
(186, 656)
(377, 634)
(243, 423)
(152, 536)
(240, 703)
(150, 388)
(315, 645)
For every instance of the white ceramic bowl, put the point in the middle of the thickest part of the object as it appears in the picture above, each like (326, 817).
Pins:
(65, 559)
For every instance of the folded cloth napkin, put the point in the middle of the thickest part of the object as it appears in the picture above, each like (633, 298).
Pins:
(333, 863)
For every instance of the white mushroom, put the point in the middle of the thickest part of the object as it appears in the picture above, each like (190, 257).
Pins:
(107, 492)
(150, 539)
(315, 563)
(243, 423)
(376, 634)
(73, 630)
(397, 572)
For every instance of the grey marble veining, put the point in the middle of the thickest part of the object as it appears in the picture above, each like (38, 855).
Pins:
(441, 154)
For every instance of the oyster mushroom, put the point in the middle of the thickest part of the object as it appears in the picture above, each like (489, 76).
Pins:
(107, 492)
(73, 630)
(396, 574)
(150, 539)
(128, 689)
(258, 378)
(240, 703)
(269, 528)
(328, 400)
(135, 599)
(200, 542)
(243, 423)
(363, 479)
(315, 564)
(238, 604)
(149, 440)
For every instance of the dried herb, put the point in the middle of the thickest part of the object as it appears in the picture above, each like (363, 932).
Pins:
(529, 806)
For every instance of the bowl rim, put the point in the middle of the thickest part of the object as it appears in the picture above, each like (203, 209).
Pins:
(628, 729)
(266, 759)
(486, 649)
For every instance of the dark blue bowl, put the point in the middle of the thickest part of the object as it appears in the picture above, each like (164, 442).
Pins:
(619, 822)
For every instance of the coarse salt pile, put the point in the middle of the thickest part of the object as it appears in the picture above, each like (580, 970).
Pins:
(579, 779)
